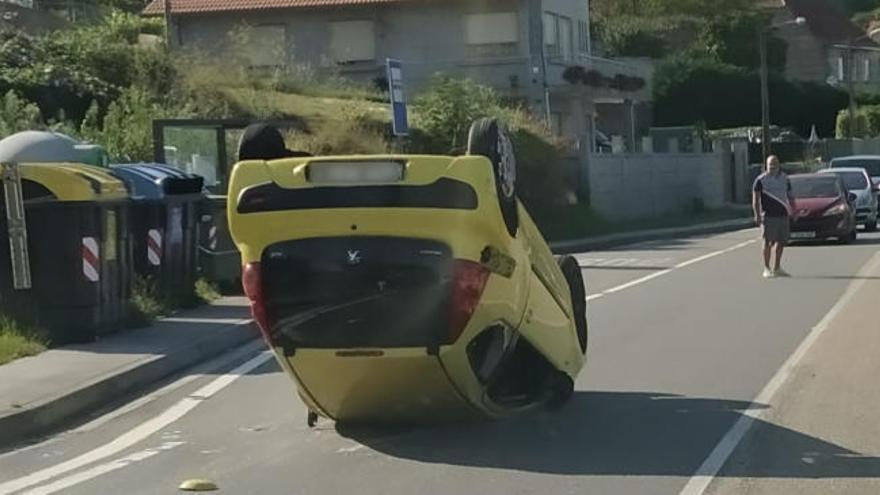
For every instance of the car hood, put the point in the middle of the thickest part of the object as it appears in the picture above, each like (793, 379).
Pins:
(813, 205)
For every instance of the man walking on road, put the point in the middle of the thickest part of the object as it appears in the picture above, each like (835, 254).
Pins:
(772, 202)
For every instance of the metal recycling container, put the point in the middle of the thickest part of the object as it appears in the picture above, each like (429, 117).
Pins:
(165, 213)
(80, 254)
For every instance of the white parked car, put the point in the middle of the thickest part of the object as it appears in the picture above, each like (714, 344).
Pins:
(857, 181)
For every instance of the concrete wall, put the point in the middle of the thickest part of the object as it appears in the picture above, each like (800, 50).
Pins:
(632, 186)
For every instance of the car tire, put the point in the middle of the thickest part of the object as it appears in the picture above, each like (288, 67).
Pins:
(849, 238)
(871, 226)
(489, 138)
(561, 391)
(571, 270)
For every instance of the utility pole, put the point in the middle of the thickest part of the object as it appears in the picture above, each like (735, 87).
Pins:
(851, 90)
(168, 23)
(765, 76)
(765, 95)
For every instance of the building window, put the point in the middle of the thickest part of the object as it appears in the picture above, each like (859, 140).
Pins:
(265, 46)
(565, 39)
(866, 68)
(352, 41)
(583, 37)
(491, 29)
(492, 35)
(558, 42)
(841, 71)
(551, 35)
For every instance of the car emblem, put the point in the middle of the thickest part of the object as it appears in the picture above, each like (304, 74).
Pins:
(354, 257)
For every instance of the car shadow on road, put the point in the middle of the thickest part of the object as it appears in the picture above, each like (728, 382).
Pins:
(616, 433)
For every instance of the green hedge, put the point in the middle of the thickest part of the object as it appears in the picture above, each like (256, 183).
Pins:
(690, 90)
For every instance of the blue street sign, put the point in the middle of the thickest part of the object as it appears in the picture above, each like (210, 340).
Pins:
(400, 122)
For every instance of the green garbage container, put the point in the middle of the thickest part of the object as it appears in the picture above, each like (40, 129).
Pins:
(80, 252)
(164, 224)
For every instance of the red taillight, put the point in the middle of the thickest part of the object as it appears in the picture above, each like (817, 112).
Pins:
(468, 282)
(252, 283)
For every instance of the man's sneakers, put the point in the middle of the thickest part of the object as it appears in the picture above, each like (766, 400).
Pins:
(779, 272)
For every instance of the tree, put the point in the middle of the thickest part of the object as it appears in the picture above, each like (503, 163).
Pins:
(733, 39)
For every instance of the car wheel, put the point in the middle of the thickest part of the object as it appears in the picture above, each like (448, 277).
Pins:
(489, 138)
(561, 391)
(575, 279)
(871, 226)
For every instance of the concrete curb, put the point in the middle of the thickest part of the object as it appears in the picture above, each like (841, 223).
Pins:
(609, 241)
(39, 418)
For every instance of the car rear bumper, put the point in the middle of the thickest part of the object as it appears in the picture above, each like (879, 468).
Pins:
(865, 215)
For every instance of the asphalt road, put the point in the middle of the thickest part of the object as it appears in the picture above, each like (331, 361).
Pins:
(685, 334)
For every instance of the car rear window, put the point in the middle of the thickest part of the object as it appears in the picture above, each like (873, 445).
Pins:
(815, 187)
(854, 180)
(871, 166)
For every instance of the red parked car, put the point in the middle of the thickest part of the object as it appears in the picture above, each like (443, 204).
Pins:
(823, 208)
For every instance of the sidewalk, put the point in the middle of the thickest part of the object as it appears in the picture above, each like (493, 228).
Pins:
(821, 434)
(40, 393)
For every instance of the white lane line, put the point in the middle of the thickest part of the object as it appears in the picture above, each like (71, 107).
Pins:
(707, 471)
(639, 281)
(219, 363)
(101, 469)
(140, 432)
(197, 373)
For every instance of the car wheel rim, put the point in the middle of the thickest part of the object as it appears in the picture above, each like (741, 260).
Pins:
(506, 166)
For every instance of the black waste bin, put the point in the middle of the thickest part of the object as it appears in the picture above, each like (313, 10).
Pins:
(219, 259)
(80, 252)
(165, 213)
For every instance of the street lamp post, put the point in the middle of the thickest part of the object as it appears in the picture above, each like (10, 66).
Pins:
(765, 90)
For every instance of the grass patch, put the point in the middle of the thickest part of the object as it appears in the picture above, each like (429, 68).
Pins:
(207, 292)
(18, 340)
(579, 221)
(145, 304)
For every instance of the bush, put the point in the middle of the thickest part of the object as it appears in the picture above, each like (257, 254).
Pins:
(631, 36)
(127, 129)
(17, 114)
(447, 109)
(867, 122)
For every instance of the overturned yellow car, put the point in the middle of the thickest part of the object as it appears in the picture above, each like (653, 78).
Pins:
(406, 288)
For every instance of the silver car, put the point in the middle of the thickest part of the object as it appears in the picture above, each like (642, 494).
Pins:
(871, 163)
(857, 181)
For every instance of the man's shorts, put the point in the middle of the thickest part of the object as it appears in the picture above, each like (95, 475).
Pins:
(777, 229)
